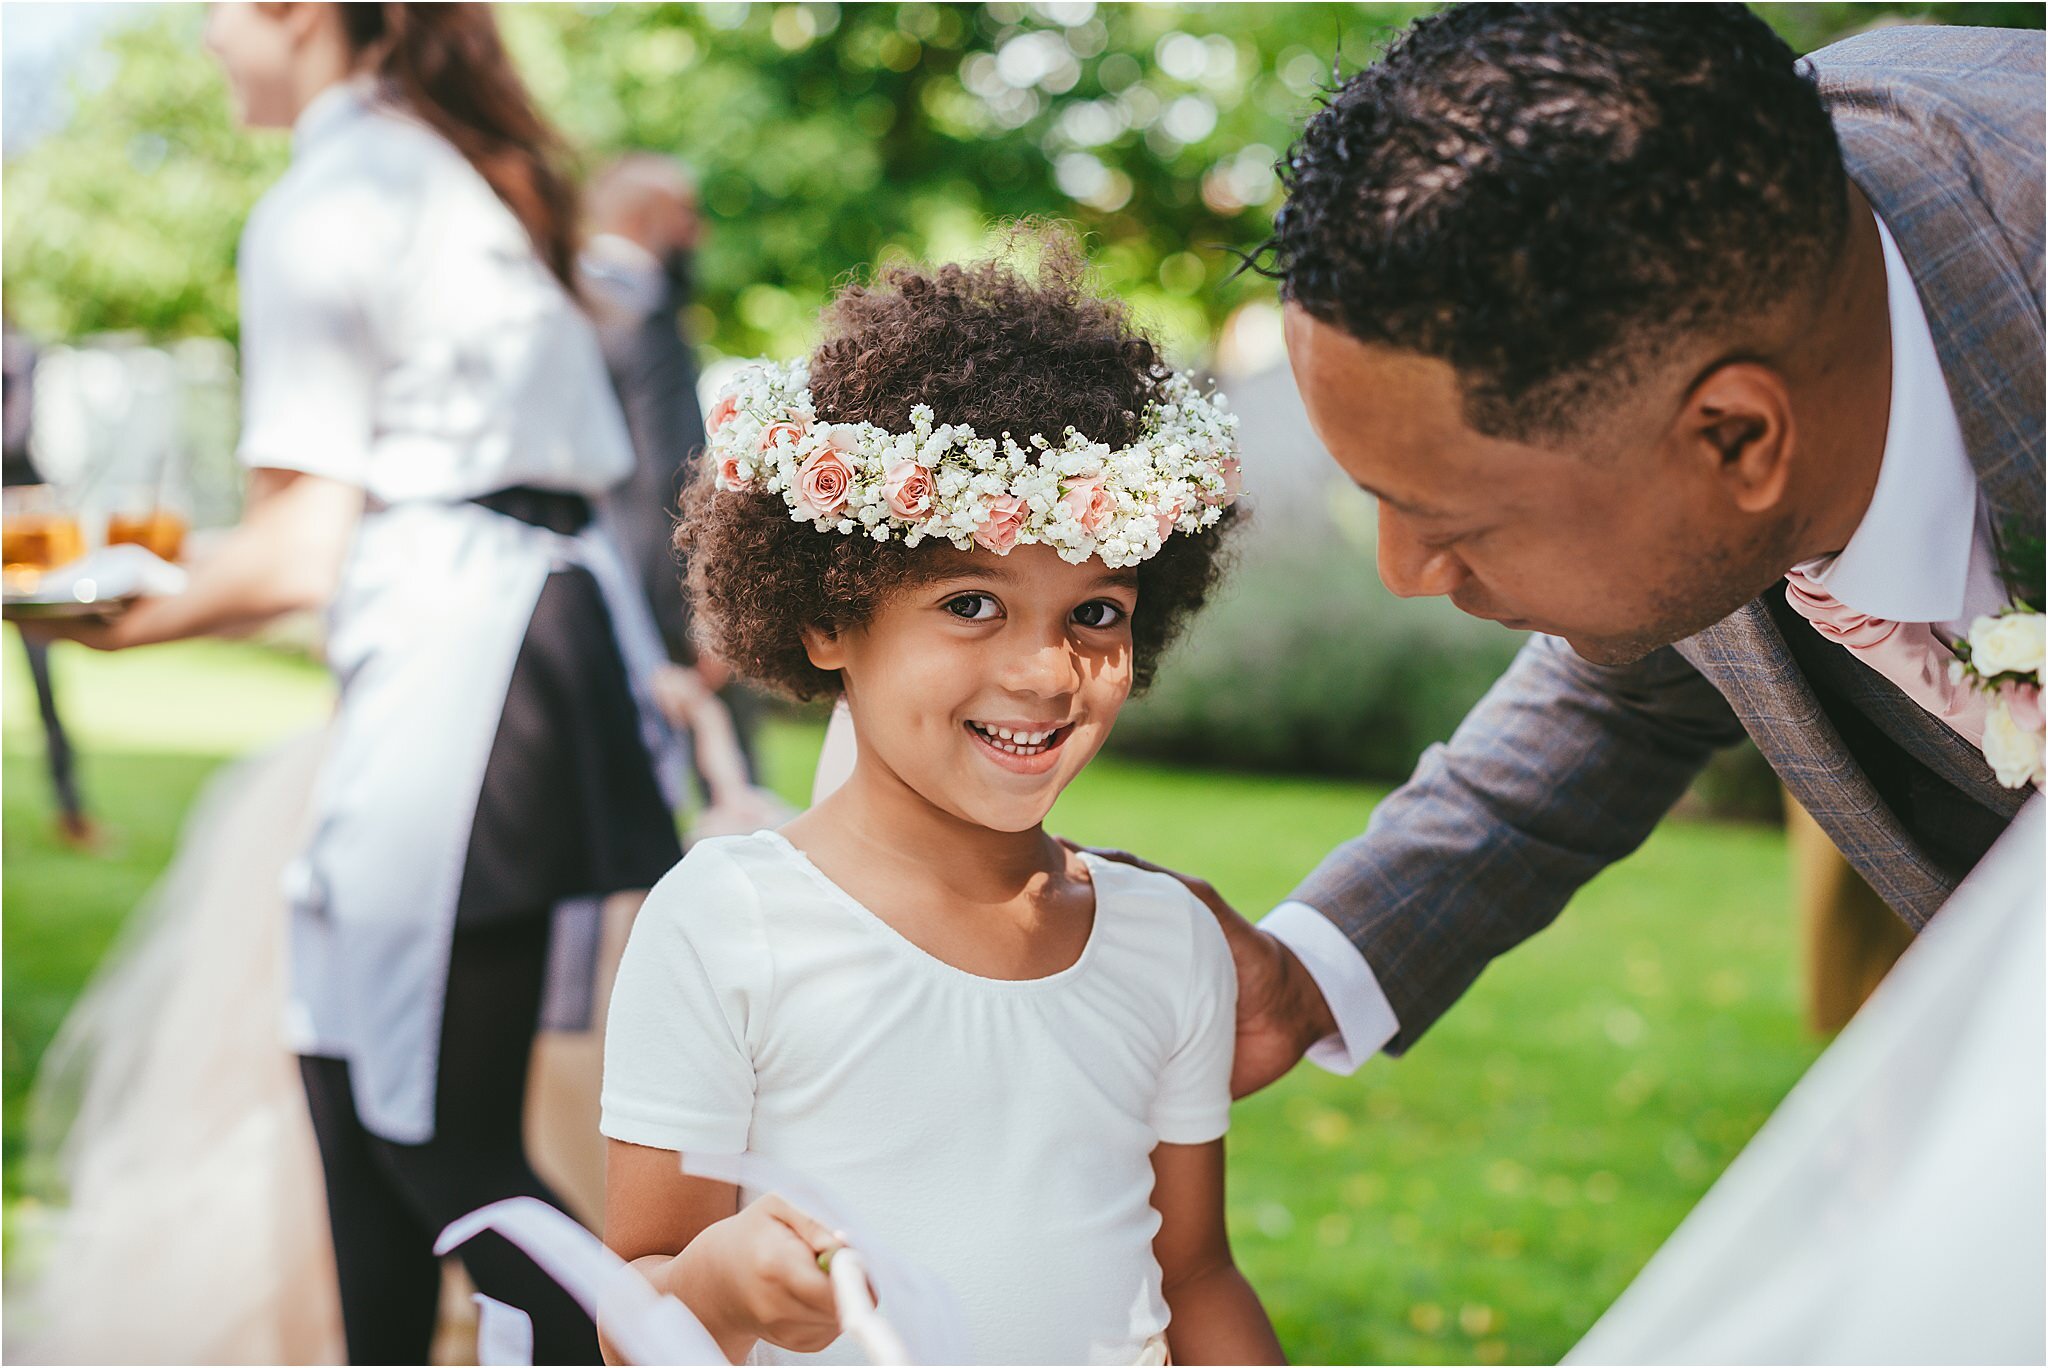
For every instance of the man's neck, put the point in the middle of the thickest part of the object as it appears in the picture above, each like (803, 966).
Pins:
(1848, 355)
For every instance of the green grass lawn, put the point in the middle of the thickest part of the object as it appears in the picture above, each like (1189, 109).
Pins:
(1482, 1199)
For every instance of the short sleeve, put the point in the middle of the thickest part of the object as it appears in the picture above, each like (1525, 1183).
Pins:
(687, 1005)
(1192, 1106)
(309, 358)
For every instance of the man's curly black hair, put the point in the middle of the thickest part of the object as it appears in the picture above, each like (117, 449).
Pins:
(1545, 195)
(1020, 344)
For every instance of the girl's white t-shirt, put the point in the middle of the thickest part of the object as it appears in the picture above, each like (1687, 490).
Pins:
(997, 1133)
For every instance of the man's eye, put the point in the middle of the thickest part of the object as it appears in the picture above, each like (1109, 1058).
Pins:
(1099, 613)
(972, 607)
(1444, 541)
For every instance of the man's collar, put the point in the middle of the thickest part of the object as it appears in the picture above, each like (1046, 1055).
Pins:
(615, 251)
(1909, 559)
(623, 277)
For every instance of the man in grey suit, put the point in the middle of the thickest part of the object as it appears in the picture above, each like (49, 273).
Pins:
(1623, 315)
(637, 270)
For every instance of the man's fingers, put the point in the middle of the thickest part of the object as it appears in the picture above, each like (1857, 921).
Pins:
(1117, 856)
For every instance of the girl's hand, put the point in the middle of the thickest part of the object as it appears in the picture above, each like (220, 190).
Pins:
(760, 1267)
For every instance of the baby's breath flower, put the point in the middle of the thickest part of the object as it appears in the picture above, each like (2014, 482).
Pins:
(1171, 479)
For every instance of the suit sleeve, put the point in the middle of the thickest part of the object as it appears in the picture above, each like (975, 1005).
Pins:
(657, 388)
(1563, 768)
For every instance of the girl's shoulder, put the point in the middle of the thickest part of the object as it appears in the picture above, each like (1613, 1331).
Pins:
(1154, 916)
(731, 883)
(732, 871)
(714, 909)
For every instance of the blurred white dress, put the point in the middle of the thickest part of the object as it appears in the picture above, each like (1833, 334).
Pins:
(196, 1230)
(1891, 1210)
(169, 1124)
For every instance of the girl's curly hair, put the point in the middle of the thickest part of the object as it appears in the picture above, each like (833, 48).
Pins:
(995, 345)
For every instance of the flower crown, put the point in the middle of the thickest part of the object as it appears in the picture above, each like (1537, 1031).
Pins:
(1079, 496)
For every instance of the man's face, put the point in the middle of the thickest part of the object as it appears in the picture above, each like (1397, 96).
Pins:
(676, 222)
(1620, 546)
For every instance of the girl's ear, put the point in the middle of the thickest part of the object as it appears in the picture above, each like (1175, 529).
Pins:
(823, 647)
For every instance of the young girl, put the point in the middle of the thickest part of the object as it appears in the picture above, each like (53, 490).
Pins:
(978, 514)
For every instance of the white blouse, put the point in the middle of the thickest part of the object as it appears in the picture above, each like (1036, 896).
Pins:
(399, 332)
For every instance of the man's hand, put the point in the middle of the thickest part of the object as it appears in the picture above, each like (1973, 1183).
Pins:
(714, 673)
(679, 692)
(1280, 1011)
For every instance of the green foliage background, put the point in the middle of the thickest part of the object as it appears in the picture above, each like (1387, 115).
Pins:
(827, 137)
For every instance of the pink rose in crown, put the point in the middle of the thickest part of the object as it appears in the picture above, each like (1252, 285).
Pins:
(908, 488)
(722, 413)
(822, 483)
(778, 431)
(729, 475)
(1005, 519)
(1090, 504)
(1166, 518)
(1233, 480)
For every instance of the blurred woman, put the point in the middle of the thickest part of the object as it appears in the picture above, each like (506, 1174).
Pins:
(428, 424)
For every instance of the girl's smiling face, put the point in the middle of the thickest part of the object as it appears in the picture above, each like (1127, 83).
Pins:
(988, 686)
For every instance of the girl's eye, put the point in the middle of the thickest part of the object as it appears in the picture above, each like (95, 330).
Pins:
(972, 607)
(1099, 613)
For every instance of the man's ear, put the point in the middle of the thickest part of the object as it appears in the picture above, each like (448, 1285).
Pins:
(824, 648)
(1736, 429)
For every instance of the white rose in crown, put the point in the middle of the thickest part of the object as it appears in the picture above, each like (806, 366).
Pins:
(2015, 642)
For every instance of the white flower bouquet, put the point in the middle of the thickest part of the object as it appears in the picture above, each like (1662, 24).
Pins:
(2006, 656)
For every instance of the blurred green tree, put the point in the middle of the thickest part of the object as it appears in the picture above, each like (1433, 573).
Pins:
(126, 218)
(826, 137)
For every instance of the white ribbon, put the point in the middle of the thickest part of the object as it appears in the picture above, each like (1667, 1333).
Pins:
(858, 1315)
(642, 1324)
(504, 1333)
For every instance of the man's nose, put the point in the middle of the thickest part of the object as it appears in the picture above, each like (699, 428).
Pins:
(1409, 568)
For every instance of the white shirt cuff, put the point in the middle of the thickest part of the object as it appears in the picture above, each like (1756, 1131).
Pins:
(1365, 1019)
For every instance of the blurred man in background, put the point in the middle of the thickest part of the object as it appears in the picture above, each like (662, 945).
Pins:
(637, 272)
(20, 469)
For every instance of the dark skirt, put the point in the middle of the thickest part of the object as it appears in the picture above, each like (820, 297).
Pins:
(570, 805)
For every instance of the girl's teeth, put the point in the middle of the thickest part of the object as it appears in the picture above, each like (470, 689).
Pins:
(1015, 742)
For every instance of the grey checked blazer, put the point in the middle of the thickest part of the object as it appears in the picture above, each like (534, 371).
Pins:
(1565, 766)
